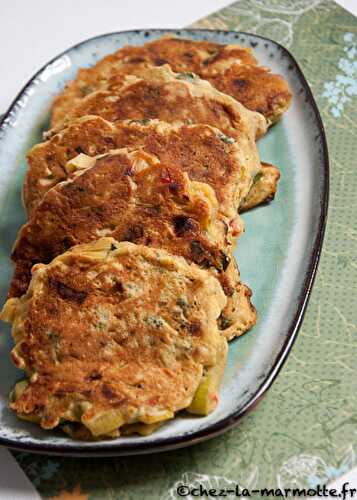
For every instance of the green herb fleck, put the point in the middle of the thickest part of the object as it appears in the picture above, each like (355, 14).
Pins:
(223, 322)
(182, 302)
(227, 140)
(186, 76)
(154, 321)
(257, 177)
(144, 121)
(85, 90)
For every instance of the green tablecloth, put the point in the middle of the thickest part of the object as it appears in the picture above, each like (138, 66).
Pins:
(304, 431)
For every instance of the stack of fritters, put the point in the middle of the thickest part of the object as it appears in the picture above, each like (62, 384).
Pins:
(118, 337)
(130, 198)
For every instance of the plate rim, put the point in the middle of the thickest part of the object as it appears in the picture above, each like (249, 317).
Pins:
(223, 425)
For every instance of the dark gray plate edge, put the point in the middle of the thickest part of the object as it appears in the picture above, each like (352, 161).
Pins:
(213, 430)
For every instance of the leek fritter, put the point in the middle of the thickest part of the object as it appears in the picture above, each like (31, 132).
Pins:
(115, 334)
(230, 68)
(158, 92)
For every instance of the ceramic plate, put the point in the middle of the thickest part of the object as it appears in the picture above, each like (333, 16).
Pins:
(278, 254)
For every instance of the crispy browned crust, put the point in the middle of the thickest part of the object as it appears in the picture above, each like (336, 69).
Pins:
(256, 88)
(131, 197)
(232, 68)
(199, 150)
(110, 326)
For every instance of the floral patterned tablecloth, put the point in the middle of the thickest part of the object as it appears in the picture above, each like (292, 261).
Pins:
(304, 432)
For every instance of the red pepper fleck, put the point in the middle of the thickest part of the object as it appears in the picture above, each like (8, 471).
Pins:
(153, 401)
(34, 268)
(214, 399)
(166, 178)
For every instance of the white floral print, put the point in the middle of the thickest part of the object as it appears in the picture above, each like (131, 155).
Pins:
(340, 90)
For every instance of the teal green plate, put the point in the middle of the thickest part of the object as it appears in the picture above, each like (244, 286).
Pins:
(278, 255)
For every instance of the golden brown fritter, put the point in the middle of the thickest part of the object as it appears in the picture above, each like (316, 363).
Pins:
(263, 189)
(131, 196)
(227, 165)
(231, 68)
(158, 92)
(111, 334)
